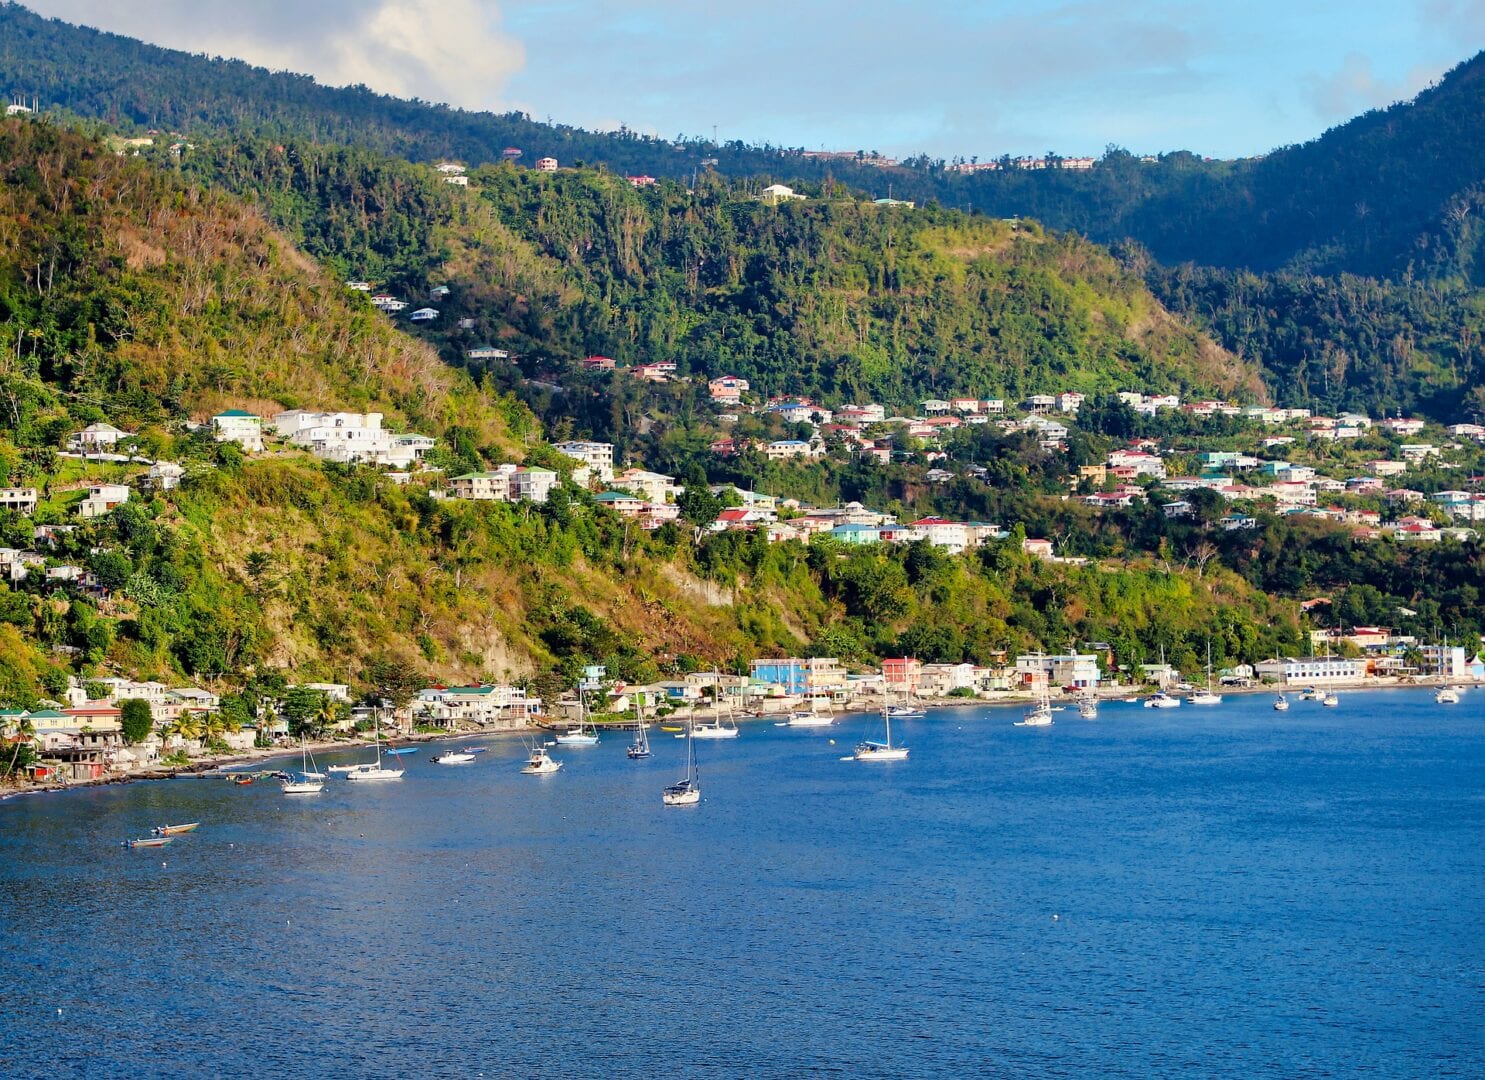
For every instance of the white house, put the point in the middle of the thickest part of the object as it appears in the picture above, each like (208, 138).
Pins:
(1308, 670)
(486, 352)
(597, 456)
(21, 500)
(240, 427)
(165, 475)
(546, 164)
(777, 193)
(98, 436)
(426, 314)
(102, 498)
(351, 437)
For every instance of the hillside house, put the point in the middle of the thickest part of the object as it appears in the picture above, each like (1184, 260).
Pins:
(165, 475)
(21, 500)
(597, 456)
(426, 314)
(486, 352)
(350, 438)
(774, 194)
(102, 498)
(96, 437)
(546, 164)
(727, 389)
(240, 427)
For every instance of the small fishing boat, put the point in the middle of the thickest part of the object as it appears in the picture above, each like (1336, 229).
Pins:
(453, 757)
(243, 781)
(401, 750)
(540, 763)
(154, 841)
(175, 830)
(1281, 704)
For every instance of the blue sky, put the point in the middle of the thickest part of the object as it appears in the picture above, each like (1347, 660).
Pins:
(943, 77)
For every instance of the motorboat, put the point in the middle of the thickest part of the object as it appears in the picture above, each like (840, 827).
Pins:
(1281, 704)
(339, 769)
(1310, 693)
(1446, 695)
(150, 842)
(1161, 700)
(806, 718)
(540, 763)
(175, 830)
(453, 757)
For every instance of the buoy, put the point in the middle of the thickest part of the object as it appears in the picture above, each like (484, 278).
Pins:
(1056, 917)
(832, 742)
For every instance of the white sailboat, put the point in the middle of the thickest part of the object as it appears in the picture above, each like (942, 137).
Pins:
(640, 747)
(376, 771)
(687, 790)
(717, 729)
(1206, 696)
(310, 781)
(1281, 704)
(1330, 700)
(881, 751)
(1039, 715)
(908, 710)
(1088, 707)
(582, 736)
(809, 718)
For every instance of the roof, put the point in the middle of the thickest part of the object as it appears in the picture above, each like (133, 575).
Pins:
(241, 413)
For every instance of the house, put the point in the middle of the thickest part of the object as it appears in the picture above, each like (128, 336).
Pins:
(449, 168)
(800, 677)
(774, 194)
(1041, 549)
(784, 449)
(934, 407)
(598, 363)
(426, 314)
(659, 371)
(654, 487)
(1407, 428)
(351, 437)
(240, 427)
(546, 164)
(102, 498)
(1417, 453)
(597, 456)
(621, 502)
(20, 500)
(1235, 522)
(165, 475)
(641, 181)
(457, 181)
(390, 304)
(1178, 509)
(966, 406)
(727, 389)
(486, 352)
(487, 706)
(902, 675)
(856, 534)
(96, 437)
(1066, 669)
(953, 536)
(485, 486)
(1310, 670)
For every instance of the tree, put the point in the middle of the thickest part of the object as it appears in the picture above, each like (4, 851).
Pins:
(23, 731)
(395, 680)
(137, 720)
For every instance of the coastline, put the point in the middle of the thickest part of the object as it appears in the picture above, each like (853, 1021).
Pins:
(223, 763)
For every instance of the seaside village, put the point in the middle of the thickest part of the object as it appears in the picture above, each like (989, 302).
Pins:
(80, 739)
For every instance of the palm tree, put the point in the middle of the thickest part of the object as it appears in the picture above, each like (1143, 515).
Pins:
(23, 730)
(326, 715)
(187, 726)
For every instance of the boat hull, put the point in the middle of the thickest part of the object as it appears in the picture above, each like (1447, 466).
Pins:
(309, 787)
(364, 775)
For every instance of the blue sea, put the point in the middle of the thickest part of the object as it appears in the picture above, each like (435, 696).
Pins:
(1196, 892)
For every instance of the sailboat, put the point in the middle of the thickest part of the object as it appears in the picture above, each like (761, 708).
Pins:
(1039, 715)
(1330, 700)
(1446, 695)
(908, 710)
(310, 780)
(1207, 696)
(376, 771)
(687, 790)
(881, 751)
(1088, 707)
(1281, 704)
(580, 737)
(640, 747)
(716, 729)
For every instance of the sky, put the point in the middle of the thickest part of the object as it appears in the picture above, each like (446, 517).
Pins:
(950, 78)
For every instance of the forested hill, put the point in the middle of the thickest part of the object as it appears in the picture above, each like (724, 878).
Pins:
(831, 296)
(1391, 190)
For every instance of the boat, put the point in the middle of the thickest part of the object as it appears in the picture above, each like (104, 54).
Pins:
(581, 736)
(1088, 708)
(881, 751)
(175, 830)
(153, 841)
(807, 718)
(1281, 704)
(908, 710)
(243, 781)
(540, 763)
(1205, 696)
(375, 770)
(687, 790)
(1446, 695)
(1161, 700)
(1310, 693)
(716, 729)
(640, 747)
(309, 782)
(1330, 701)
(453, 757)
(1039, 715)
(389, 752)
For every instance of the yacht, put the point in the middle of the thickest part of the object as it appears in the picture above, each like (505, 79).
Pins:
(717, 729)
(1088, 708)
(453, 757)
(687, 790)
(1205, 696)
(640, 747)
(1310, 693)
(582, 735)
(1161, 700)
(881, 751)
(1330, 701)
(907, 712)
(808, 718)
(540, 763)
(1281, 704)
(1446, 695)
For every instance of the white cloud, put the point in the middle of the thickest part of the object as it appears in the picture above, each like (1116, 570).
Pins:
(451, 51)
(1356, 87)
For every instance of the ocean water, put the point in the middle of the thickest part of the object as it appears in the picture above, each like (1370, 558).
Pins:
(1193, 892)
